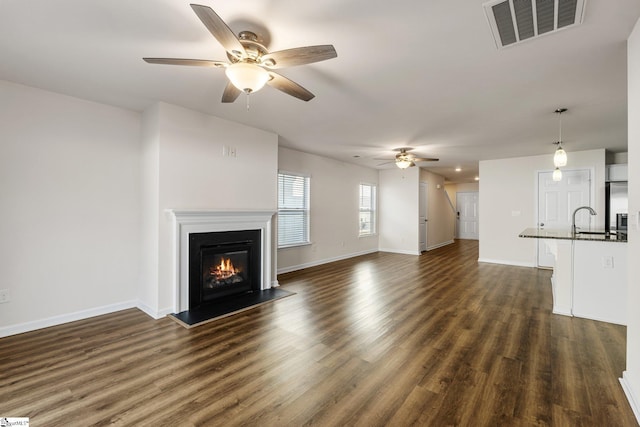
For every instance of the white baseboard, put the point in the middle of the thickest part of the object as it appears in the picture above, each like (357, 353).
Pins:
(564, 311)
(439, 245)
(155, 314)
(506, 262)
(352, 255)
(20, 328)
(399, 251)
(599, 319)
(162, 313)
(628, 391)
(323, 261)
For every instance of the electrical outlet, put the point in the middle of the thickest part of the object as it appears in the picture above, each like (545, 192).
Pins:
(4, 295)
(607, 262)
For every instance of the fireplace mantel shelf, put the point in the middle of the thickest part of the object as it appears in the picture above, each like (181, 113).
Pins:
(223, 215)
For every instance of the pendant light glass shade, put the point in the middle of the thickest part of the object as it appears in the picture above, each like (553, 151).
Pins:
(557, 175)
(560, 157)
(247, 77)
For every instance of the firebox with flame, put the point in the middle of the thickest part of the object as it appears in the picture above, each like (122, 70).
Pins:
(224, 271)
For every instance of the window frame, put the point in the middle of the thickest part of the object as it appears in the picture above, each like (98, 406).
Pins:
(306, 210)
(372, 209)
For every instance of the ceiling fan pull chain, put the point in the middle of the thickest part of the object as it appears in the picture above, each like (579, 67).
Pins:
(247, 102)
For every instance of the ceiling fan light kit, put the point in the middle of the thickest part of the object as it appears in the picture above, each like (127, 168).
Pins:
(250, 64)
(247, 77)
(404, 163)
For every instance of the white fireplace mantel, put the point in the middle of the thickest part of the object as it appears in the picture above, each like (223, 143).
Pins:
(203, 221)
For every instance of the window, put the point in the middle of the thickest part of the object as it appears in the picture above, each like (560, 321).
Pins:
(293, 210)
(367, 209)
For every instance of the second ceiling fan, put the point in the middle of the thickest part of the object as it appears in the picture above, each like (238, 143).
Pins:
(404, 159)
(250, 64)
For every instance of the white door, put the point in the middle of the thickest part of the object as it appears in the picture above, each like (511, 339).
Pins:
(467, 204)
(422, 215)
(556, 203)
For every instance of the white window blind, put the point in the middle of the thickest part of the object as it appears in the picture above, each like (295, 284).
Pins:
(293, 210)
(367, 209)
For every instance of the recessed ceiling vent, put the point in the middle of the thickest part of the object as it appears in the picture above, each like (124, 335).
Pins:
(514, 21)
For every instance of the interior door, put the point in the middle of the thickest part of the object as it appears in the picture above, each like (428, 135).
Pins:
(422, 215)
(556, 202)
(467, 204)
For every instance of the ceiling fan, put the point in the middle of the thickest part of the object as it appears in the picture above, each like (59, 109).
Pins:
(404, 159)
(250, 64)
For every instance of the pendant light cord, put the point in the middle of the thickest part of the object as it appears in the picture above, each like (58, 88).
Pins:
(559, 112)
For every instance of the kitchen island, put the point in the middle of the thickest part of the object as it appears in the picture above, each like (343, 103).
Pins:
(590, 273)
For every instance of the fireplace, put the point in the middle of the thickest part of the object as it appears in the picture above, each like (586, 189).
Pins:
(223, 264)
(233, 230)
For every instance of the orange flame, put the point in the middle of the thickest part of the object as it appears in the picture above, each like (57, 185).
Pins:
(224, 270)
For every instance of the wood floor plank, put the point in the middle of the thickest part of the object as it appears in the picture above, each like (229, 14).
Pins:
(377, 340)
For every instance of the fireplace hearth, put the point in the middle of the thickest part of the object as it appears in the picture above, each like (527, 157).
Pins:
(222, 265)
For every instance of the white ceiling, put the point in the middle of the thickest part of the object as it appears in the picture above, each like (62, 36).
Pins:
(414, 73)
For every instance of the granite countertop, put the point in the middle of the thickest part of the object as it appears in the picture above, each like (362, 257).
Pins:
(549, 233)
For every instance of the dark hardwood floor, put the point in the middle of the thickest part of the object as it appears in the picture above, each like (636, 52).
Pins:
(382, 339)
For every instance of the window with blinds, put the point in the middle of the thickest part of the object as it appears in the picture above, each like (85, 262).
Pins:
(293, 210)
(367, 209)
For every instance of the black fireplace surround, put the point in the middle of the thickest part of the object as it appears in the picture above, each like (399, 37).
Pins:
(223, 264)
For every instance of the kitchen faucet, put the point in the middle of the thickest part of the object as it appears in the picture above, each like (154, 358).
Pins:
(573, 220)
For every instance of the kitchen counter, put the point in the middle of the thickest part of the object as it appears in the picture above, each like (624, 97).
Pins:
(589, 274)
(599, 236)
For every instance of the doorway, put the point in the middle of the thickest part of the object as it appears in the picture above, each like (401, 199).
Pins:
(423, 212)
(557, 201)
(467, 215)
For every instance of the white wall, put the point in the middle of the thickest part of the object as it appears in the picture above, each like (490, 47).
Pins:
(399, 210)
(194, 174)
(69, 190)
(149, 200)
(441, 224)
(631, 377)
(508, 186)
(334, 210)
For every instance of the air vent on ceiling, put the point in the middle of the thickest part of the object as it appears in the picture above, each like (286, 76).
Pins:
(514, 21)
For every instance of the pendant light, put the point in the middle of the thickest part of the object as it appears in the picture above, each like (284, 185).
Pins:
(557, 175)
(560, 156)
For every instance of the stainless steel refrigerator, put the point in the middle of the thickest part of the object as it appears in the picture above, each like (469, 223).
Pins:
(617, 205)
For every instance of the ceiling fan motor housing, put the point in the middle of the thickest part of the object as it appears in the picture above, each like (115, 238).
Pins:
(252, 46)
